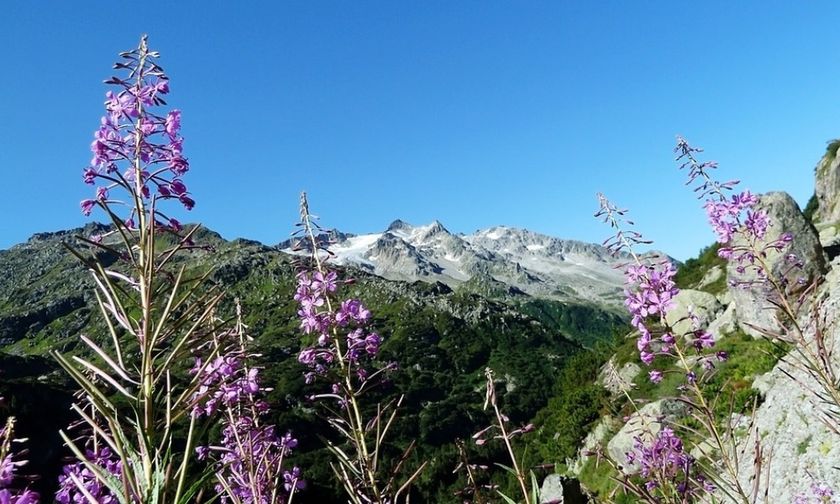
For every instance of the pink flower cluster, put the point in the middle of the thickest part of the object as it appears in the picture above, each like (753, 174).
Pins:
(725, 212)
(735, 215)
(820, 494)
(8, 493)
(135, 141)
(223, 382)
(650, 291)
(69, 491)
(351, 317)
(725, 216)
(664, 461)
(250, 456)
(11, 491)
(251, 462)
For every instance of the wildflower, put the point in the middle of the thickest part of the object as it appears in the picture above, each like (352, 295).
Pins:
(90, 175)
(703, 339)
(250, 456)
(188, 202)
(655, 376)
(133, 134)
(69, 491)
(87, 206)
(173, 123)
(757, 223)
(663, 459)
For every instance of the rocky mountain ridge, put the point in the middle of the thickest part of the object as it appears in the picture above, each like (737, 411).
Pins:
(530, 262)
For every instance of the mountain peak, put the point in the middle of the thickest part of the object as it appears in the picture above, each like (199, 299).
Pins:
(539, 265)
(399, 225)
(436, 227)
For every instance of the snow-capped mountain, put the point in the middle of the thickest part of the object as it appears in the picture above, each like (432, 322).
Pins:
(537, 264)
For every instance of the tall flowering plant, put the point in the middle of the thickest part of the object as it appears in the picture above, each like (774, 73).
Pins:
(250, 459)
(669, 473)
(13, 488)
(742, 230)
(503, 431)
(342, 357)
(141, 411)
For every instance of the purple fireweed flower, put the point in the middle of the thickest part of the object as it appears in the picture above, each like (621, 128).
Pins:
(177, 187)
(655, 376)
(650, 291)
(7, 471)
(87, 206)
(664, 460)
(822, 490)
(10, 491)
(821, 493)
(90, 176)
(343, 337)
(292, 480)
(757, 223)
(249, 458)
(703, 339)
(188, 202)
(173, 123)
(69, 492)
(26, 496)
(134, 134)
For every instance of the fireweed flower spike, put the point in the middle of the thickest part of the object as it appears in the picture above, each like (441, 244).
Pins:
(138, 148)
(649, 295)
(249, 461)
(13, 489)
(157, 318)
(768, 268)
(343, 357)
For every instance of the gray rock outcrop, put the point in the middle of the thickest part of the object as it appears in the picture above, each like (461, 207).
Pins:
(701, 304)
(750, 300)
(551, 491)
(725, 323)
(827, 186)
(800, 449)
(645, 424)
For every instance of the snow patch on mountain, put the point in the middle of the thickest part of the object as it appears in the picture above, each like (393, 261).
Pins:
(537, 264)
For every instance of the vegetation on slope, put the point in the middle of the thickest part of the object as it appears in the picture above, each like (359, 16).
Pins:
(441, 339)
(691, 274)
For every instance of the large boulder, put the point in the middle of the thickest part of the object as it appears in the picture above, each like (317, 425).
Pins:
(827, 186)
(799, 448)
(725, 323)
(645, 424)
(592, 443)
(702, 305)
(750, 300)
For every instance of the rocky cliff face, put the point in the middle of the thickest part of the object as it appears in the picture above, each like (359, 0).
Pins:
(827, 186)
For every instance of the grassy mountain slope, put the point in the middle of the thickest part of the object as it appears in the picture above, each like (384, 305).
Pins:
(441, 339)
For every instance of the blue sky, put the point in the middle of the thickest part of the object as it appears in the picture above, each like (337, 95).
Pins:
(474, 113)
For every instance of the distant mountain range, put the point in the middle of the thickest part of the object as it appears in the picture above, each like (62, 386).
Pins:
(526, 262)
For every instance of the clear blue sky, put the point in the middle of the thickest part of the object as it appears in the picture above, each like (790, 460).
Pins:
(475, 113)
